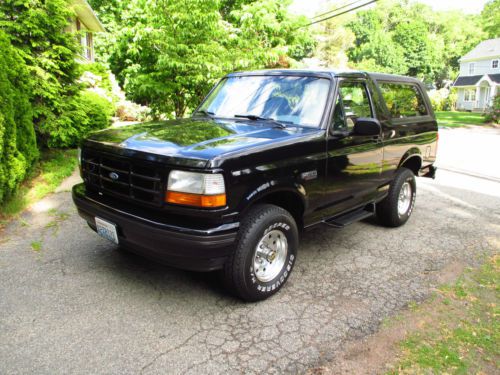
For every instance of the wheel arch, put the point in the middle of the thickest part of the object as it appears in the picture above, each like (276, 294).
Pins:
(287, 198)
(412, 160)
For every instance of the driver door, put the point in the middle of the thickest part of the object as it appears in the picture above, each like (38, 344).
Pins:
(354, 162)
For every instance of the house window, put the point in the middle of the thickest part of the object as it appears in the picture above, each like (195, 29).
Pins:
(471, 68)
(470, 95)
(494, 64)
(89, 46)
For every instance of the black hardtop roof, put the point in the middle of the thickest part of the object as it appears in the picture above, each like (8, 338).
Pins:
(326, 73)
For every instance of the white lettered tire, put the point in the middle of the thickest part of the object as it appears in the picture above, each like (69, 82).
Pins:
(265, 253)
(397, 207)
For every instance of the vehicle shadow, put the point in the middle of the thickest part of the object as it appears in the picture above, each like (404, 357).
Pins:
(135, 272)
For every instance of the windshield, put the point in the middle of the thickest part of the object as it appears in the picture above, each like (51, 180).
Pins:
(297, 100)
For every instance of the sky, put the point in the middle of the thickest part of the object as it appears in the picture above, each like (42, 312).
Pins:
(312, 7)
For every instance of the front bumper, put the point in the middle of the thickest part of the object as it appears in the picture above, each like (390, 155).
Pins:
(187, 248)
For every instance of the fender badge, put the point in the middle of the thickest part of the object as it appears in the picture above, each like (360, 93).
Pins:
(309, 175)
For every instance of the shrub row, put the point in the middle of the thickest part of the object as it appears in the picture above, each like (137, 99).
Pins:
(22, 133)
(18, 149)
(493, 113)
(81, 114)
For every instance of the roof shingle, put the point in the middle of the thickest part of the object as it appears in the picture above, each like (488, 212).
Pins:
(486, 48)
(473, 80)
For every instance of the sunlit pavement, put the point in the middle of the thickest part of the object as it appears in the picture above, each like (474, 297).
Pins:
(474, 150)
(79, 305)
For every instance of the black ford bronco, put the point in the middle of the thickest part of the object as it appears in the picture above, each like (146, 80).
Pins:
(266, 155)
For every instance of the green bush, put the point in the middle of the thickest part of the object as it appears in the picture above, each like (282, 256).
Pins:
(18, 150)
(450, 103)
(493, 113)
(81, 114)
(38, 29)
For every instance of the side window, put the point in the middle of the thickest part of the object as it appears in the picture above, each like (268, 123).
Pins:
(403, 100)
(352, 102)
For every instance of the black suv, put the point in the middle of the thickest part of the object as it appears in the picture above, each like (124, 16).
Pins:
(266, 155)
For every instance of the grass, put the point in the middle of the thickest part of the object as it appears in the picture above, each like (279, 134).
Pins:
(53, 167)
(36, 246)
(464, 335)
(58, 218)
(458, 119)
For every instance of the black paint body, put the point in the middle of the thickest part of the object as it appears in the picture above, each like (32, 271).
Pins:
(312, 172)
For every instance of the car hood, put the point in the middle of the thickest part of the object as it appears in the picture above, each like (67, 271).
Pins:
(195, 140)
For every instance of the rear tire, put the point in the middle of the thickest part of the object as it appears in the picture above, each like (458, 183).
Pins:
(396, 208)
(265, 253)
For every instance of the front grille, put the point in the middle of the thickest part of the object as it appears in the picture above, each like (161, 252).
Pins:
(122, 177)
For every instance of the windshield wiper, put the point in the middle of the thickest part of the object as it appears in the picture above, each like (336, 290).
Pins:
(205, 112)
(260, 118)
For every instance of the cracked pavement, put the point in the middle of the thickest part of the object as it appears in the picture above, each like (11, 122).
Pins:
(80, 305)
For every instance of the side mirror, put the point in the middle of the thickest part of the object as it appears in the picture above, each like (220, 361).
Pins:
(367, 126)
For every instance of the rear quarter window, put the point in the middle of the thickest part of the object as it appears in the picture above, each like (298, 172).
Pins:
(403, 99)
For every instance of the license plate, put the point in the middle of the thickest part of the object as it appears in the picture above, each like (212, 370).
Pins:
(106, 229)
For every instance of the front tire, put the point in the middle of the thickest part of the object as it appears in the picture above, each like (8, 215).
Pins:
(395, 209)
(265, 253)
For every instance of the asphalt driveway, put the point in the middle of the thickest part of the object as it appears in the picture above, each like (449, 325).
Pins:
(79, 305)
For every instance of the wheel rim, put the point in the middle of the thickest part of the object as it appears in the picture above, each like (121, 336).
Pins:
(270, 255)
(404, 201)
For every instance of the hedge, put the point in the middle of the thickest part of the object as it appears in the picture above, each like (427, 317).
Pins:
(18, 149)
(81, 114)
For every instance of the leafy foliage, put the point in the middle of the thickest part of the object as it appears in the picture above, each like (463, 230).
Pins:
(17, 138)
(412, 39)
(491, 18)
(83, 113)
(47, 174)
(167, 54)
(38, 30)
(333, 42)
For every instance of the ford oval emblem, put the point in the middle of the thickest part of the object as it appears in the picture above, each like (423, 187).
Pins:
(114, 176)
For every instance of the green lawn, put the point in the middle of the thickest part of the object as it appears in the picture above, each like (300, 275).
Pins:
(457, 119)
(53, 167)
(462, 331)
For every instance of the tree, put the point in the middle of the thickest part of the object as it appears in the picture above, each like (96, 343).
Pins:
(18, 148)
(169, 53)
(333, 41)
(411, 39)
(38, 30)
(417, 48)
(491, 18)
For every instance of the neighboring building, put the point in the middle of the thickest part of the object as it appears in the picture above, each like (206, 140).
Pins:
(479, 78)
(87, 23)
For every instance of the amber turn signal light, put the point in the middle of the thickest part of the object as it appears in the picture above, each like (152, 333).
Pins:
(197, 200)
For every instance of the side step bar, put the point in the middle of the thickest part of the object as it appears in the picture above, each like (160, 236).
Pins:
(350, 217)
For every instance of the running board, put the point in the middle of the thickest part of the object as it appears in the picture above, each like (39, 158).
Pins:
(351, 217)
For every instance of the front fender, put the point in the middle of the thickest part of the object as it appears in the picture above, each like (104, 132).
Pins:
(264, 189)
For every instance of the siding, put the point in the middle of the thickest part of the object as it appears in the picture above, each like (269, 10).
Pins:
(481, 67)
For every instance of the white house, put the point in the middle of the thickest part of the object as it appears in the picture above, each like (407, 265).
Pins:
(479, 78)
(86, 23)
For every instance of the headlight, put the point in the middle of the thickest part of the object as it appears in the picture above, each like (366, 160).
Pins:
(196, 189)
